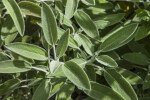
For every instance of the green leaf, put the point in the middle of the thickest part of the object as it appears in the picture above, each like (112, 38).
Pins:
(113, 42)
(14, 11)
(29, 8)
(19, 57)
(57, 84)
(101, 24)
(112, 19)
(136, 58)
(65, 92)
(64, 20)
(146, 84)
(14, 66)
(87, 44)
(3, 57)
(58, 73)
(76, 75)
(142, 32)
(49, 25)
(28, 50)
(54, 65)
(72, 42)
(8, 28)
(119, 84)
(35, 82)
(71, 8)
(131, 77)
(102, 92)
(113, 55)
(9, 86)
(10, 38)
(86, 23)
(88, 2)
(107, 61)
(62, 44)
(81, 62)
(42, 91)
(91, 72)
(137, 47)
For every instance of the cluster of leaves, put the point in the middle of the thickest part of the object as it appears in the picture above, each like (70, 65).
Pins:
(74, 50)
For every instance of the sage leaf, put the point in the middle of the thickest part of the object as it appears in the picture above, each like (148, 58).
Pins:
(102, 92)
(63, 44)
(54, 65)
(119, 84)
(19, 57)
(49, 25)
(142, 32)
(91, 72)
(107, 61)
(86, 23)
(101, 24)
(14, 11)
(3, 57)
(14, 66)
(136, 58)
(131, 77)
(113, 42)
(65, 92)
(112, 19)
(57, 84)
(9, 86)
(71, 8)
(8, 28)
(76, 75)
(42, 91)
(72, 42)
(81, 62)
(29, 8)
(87, 44)
(88, 2)
(28, 50)
(146, 84)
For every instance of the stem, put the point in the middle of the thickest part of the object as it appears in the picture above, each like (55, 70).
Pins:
(39, 69)
(54, 51)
